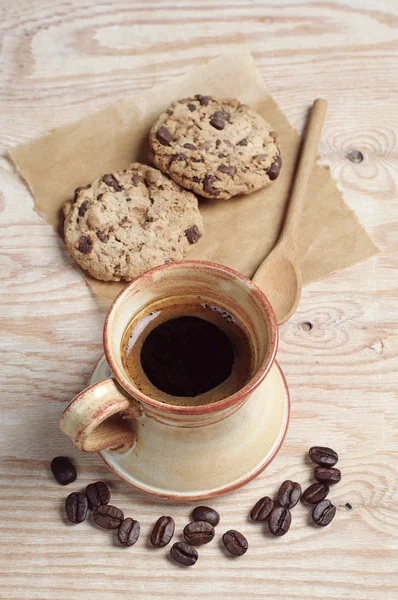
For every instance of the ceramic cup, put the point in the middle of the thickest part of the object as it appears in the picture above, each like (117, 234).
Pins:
(108, 414)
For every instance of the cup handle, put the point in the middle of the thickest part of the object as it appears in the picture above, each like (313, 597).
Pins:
(96, 418)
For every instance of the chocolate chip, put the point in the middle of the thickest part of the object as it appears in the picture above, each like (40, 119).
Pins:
(228, 143)
(112, 182)
(83, 208)
(136, 179)
(221, 155)
(208, 185)
(77, 192)
(198, 160)
(164, 136)
(190, 146)
(218, 142)
(203, 100)
(85, 244)
(242, 142)
(275, 168)
(102, 236)
(178, 157)
(191, 107)
(193, 234)
(225, 169)
(218, 119)
(195, 179)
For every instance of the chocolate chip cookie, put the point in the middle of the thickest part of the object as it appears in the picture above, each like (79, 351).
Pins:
(216, 147)
(129, 221)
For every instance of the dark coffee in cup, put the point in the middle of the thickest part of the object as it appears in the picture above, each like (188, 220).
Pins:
(187, 351)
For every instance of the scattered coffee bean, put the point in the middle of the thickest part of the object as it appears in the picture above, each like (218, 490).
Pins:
(289, 494)
(235, 542)
(63, 469)
(98, 493)
(199, 532)
(204, 513)
(184, 554)
(328, 476)
(262, 509)
(315, 493)
(129, 532)
(108, 516)
(279, 521)
(323, 513)
(326, 457)
(162, 532)
(76, 506)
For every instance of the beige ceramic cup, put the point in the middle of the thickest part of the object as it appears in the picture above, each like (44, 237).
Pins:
(107, 414)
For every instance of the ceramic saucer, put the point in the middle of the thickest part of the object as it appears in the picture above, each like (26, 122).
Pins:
(231, 452)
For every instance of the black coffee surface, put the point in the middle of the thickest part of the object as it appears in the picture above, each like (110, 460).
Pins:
(187, 356)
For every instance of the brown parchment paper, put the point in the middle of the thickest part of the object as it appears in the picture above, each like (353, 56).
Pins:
(239, 232)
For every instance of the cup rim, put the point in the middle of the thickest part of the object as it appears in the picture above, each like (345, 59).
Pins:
(202, 409)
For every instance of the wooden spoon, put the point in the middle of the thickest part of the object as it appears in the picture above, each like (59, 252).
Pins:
(279, 275)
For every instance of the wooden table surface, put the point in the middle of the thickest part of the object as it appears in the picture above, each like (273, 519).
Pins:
(64, 59)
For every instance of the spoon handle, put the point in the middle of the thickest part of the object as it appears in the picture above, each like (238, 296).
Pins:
(306, 162)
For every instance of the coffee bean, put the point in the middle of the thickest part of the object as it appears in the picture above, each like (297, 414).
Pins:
(162, 532)
(326, 457)
(199, 532)
(315, 493)
(235, 542)
(279, 520)
(193, 234)
(275, 168)
(129, 532)
(208, 185)
(164, 136)
(204, 513)
(323, 513)
(289, 494)
(328, 476)
(261, 510)
(184, 554)
(85, 244)
(76, 506)
(98, 493)
(63, 469)
(112, 182)
(108, 516)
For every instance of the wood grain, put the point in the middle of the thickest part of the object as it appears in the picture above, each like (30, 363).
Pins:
(62, 60)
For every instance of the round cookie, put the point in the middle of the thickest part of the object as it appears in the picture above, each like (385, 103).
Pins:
(130, 221)
(216, 147)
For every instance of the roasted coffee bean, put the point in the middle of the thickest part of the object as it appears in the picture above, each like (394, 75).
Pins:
(199, 532)
(326, 457)
(63, 469)
(235, 542)
(323, 513)
(204, 513)
(76, 506)
(98, 493)
(262, 509)
(315, 493)
(164, 136)
(108, 516)
(129, 532)
(289, 494)
(279, 520)
(328, 476)
(184, 554)
(193, 234)
(162, 532)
